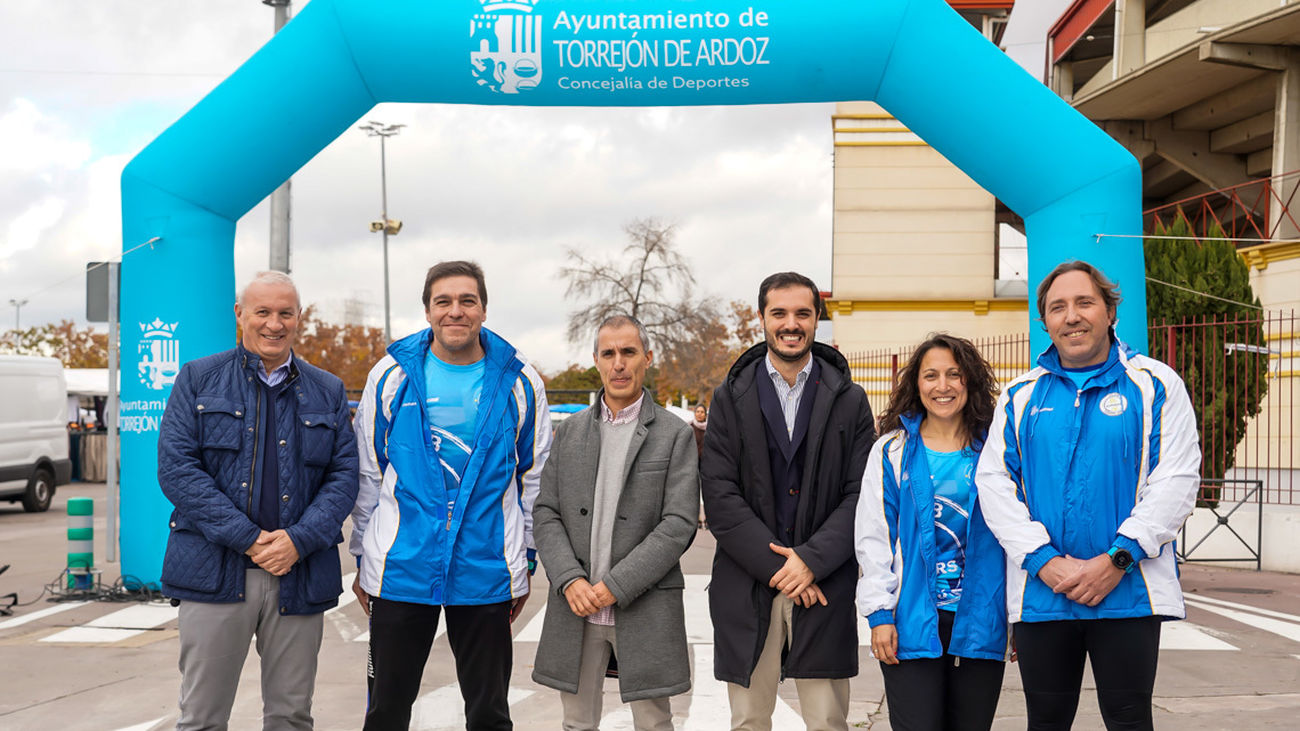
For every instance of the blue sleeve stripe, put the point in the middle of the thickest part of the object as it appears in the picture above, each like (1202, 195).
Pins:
(889, 487)
(1011, 442)
(381, 423)
(1157, 420)
(527, 434)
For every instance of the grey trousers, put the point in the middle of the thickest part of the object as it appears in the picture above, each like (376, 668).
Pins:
(214, 642)
(823, 702)
(582, 709)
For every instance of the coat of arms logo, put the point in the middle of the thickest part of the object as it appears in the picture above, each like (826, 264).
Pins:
(160, 354)
(507, 46)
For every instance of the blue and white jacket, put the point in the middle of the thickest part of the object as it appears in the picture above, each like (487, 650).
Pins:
(1077, 471)
(894, 539)
(408, 548)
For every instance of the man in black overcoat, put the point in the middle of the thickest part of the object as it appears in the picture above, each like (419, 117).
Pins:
(789, 433)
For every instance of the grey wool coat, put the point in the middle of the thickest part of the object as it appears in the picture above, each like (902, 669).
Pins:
(656, 519)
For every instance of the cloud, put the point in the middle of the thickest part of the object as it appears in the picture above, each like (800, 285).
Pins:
(511, 187)
(32, 142)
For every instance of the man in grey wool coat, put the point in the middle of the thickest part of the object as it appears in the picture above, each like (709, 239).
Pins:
(616, 511)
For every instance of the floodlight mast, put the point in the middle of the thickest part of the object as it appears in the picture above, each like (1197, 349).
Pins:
(281, 198)
(383, 132)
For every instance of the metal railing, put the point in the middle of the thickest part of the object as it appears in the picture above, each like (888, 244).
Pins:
(1211, 497)
(1238, 211)
(1243, 440)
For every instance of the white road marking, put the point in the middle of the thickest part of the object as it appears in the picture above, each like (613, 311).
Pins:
(117, 626)
(1284, 629)
(532, 632)
(699, 626)
(146, 726)
(39, 614)
(710, 710)
(444, 708)
(1197, 598)
(1187, 636)
(348, 596)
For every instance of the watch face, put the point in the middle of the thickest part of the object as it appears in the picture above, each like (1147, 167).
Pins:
(1122, 559)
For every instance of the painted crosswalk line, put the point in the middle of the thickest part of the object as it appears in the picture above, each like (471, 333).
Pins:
(710, 708)
(1198, 599)
(146, 726)
(1187, 636)
(40, 614)
(444, 708)
(117, 626)
(1253, 617)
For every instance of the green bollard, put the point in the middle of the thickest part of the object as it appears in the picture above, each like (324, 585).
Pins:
(81, 542)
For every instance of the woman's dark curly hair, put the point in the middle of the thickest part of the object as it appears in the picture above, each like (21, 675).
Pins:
(981, 386)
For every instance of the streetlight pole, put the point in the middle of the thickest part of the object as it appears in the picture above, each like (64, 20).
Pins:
(384, 225)
(281, 198)
(18, 309)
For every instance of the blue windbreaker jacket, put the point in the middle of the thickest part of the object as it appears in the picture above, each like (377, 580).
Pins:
(1077, 471)
(894, 541)
(410, 549)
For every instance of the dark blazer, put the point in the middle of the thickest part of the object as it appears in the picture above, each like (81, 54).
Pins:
(655, 522)
(736, 482)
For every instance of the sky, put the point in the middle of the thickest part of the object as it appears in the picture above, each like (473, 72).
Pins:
(1025, 38)
(84, 86)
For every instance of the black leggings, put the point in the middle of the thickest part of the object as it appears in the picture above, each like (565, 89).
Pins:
(401, 635)
(943, 693)
(1123, 653)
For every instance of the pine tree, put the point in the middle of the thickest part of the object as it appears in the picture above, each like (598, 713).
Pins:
(1215, 343)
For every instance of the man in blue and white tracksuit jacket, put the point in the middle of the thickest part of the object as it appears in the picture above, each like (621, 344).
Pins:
(1090, 468)
(453, 430)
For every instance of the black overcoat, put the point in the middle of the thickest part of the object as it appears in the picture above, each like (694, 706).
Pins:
(736, 483)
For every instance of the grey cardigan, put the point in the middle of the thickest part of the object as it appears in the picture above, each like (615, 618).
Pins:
(656, 519)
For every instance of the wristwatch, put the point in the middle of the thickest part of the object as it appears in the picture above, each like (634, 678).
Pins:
(1122, 559)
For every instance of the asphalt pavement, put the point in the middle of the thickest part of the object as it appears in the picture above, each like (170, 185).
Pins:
(107, 666)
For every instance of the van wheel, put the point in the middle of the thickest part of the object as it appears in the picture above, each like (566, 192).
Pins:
(40, 491)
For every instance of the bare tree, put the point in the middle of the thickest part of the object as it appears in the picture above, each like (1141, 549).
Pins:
(650, 281)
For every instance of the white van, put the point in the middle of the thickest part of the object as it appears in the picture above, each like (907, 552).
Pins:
(33, 430)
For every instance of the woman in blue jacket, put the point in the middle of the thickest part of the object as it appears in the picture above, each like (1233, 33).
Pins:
(933, 577)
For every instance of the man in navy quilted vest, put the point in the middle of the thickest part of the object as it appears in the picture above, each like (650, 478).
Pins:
(257, 454)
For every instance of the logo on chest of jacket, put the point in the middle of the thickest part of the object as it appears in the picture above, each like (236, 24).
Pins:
(1113, 404)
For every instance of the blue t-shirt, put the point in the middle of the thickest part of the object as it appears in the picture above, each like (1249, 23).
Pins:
(451, 402)
(1080, 376)
(953, 477)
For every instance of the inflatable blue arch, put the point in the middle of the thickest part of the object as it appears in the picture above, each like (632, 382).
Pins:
(338, 58)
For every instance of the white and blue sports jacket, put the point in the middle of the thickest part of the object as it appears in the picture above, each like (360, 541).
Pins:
(893, 537)
(409, 549)
(1078, 471)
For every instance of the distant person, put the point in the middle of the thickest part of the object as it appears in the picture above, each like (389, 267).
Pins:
(1091, 465)
(933, 584)
(453, 429)
(788, 438)
(699, 425)
(611, 521)
(256, 453)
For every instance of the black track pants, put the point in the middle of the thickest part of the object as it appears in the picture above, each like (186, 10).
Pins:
(400, 637)
(1123, 653)
(943, 693)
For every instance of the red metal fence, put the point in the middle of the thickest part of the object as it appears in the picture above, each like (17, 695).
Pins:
(1238, 211)
(1241, 374)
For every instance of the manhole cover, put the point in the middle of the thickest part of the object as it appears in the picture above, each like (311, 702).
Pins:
(1240, 590)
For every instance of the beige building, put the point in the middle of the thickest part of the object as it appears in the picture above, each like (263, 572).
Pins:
(914, 241)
